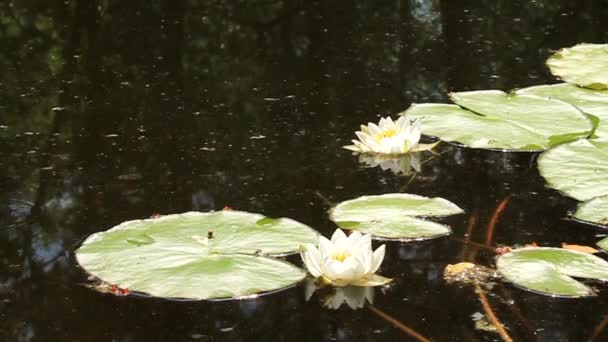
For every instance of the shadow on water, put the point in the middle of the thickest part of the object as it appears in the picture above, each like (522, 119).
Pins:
(114, 110)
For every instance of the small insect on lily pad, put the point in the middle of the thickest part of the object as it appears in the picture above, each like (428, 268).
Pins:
(549, 271)
(585, 65)
(579, 169)
(197, 255)
(495, 120)
(594, 211)
(395, 216)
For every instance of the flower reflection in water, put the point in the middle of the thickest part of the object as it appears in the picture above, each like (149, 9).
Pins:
(355, 297)
(397, 164)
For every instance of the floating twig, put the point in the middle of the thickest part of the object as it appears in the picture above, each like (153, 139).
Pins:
(398, 324)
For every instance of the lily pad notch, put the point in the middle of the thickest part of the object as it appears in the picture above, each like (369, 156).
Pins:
(396, 216)
(198, 256)
(579, 169)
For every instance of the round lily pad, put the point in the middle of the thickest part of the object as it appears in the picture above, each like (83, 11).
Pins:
(492, 119)
(591, 102)
(603, 244)
(579, 169)
(549, 271)
(395, 216)
(197, 255)
(594, 211)
(585, 65)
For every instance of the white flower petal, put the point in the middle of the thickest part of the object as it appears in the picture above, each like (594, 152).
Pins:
(325, 247)
(415, 132)
(312, 260)
(353, 148)
(374, 129)
(377, 258)
(337, 236)
(374, 280)
(362, 136)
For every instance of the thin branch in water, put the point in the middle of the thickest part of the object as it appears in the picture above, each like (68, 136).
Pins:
(598, 329)
(325, 200)
(494, 219)
(398, 324)
(471, 243)
(402, 189)
(490, 314)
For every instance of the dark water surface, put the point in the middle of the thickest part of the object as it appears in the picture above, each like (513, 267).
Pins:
(116, 110)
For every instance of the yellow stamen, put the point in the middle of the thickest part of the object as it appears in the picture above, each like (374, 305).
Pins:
(389, 133)
(340, 256)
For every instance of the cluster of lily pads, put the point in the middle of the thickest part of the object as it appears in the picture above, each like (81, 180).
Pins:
(232, 254)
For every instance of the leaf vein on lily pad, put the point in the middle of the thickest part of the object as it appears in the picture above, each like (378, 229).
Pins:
(493, 119)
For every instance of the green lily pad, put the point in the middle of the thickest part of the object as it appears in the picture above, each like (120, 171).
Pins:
(197, 255)
(395, 216)
(594, 211)
(579, 169)
(585, 65)
(549, 271)
(492, 119)
(591, 102)
(603, 244)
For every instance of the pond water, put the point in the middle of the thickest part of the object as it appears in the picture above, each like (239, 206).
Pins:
(114, 110)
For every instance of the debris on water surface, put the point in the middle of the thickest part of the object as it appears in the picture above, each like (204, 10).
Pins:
(104, 287)
(482, 323)
(469, 273)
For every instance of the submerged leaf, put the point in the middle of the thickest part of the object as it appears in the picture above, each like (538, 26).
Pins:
(394, 216)
(585, 65)
(549, 271)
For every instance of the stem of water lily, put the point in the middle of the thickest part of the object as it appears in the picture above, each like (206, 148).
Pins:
(398, 324)
(494, 219)
(490, 314)
(471, 222)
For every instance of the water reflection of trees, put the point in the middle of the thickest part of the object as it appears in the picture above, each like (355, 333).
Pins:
(120, 109)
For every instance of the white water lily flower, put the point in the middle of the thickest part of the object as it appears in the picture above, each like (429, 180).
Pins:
(389, 137)
(344, 260)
